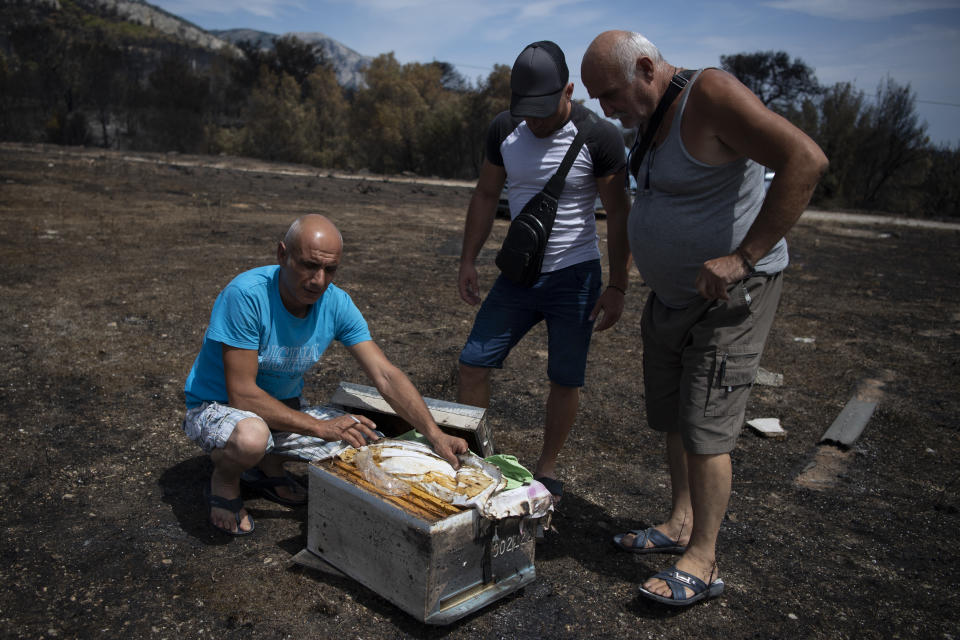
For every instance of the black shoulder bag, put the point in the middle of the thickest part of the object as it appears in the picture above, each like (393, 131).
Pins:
(521, 256)
(640, 145)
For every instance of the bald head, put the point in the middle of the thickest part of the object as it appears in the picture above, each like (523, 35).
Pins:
(626, 74)
(619, 51)
(312, 226)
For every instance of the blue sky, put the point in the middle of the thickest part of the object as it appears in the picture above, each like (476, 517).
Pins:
(862, 41)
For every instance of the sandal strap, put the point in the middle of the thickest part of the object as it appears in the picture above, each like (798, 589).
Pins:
(657, 537)
(639, 538)
(679, 580)
(234, 505)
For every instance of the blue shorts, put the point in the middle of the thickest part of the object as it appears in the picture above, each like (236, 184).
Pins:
(564, 298)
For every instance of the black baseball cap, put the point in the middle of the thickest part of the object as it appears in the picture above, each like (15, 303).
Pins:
(537, 80)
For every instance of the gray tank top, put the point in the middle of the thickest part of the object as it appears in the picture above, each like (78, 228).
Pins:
(691, 213)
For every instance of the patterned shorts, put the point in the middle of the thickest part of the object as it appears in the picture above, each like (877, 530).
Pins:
(211, 424)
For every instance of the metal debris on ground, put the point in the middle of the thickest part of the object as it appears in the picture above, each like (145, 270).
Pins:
(859, 409)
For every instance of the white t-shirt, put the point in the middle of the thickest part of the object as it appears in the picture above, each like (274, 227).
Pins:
(530, 162)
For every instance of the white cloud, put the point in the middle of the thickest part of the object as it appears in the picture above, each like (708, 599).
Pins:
(861, 9)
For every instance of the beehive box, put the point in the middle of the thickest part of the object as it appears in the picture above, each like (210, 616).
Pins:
(435, 561)
(457, 419)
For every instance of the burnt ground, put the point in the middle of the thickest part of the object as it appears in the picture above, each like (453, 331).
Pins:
(110, 264)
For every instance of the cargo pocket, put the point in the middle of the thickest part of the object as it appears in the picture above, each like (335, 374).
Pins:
(734, 370)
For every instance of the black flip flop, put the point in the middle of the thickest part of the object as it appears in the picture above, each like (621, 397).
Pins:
(259, 481)
(234, 506)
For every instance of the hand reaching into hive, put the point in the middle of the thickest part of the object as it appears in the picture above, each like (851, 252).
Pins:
(447, 447)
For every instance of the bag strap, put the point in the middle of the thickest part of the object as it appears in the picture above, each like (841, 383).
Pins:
(640, 145)
(555, 185)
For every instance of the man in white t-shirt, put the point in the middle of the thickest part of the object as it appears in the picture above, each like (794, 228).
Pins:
(524, 148)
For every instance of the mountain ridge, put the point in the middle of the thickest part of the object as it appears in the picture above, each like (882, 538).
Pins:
(150, 15)
(348, 65)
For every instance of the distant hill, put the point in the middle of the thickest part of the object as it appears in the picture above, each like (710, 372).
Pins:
(141, 29)
(347, 63)
(148, 15)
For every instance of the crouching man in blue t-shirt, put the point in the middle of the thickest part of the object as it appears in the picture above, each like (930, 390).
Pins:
(268, 327)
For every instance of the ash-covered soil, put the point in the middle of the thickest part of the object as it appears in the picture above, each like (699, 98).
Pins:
(110, 264)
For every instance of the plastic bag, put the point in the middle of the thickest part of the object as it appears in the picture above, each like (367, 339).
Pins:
(389, 484)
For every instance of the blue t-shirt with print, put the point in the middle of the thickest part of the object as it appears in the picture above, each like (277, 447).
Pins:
(249, 314)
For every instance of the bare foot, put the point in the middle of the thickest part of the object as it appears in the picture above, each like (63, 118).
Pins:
(224, 518)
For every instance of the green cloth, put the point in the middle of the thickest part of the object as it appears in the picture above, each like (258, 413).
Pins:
(516, 474)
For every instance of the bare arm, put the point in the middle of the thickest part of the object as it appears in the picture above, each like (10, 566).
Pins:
(613, 195)
(739, 125)
(400, 394)
(480, 215)
(240, 372)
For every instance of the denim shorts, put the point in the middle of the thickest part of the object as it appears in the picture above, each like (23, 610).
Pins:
(699, 363)
(211, 424)
(564, 298)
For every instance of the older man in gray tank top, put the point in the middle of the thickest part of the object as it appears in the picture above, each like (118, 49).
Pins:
(710, 244)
